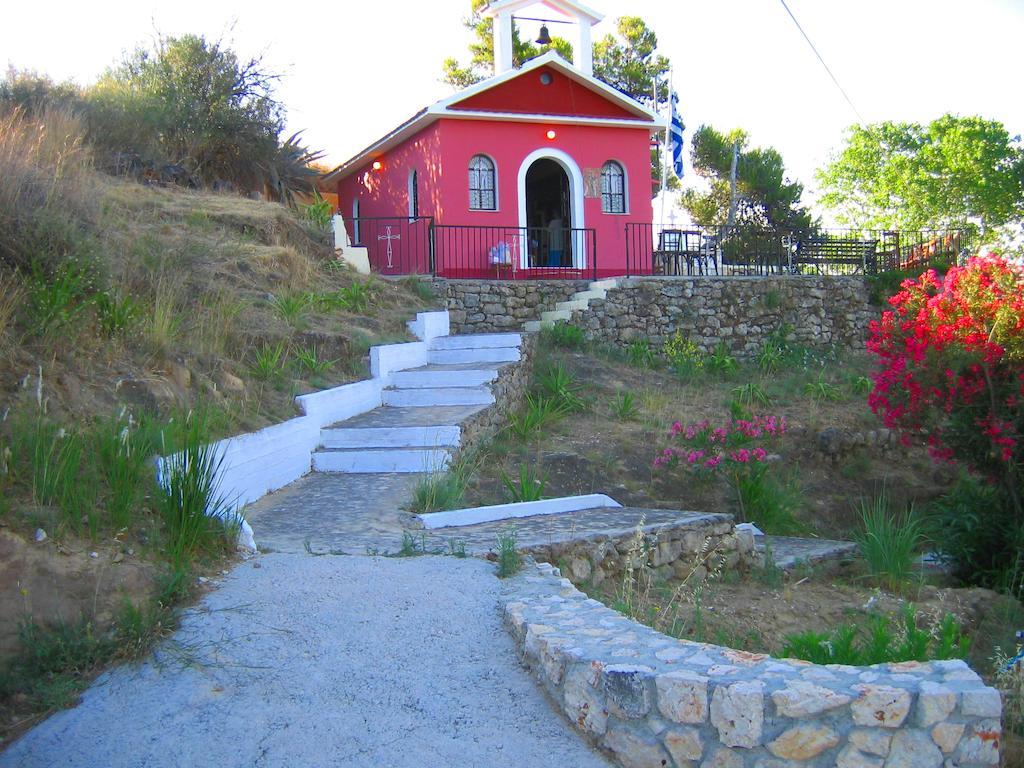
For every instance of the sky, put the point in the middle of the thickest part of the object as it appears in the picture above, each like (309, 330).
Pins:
(352, 70)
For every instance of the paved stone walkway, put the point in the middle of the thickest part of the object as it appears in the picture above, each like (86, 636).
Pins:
(789, 551)
(299, 661)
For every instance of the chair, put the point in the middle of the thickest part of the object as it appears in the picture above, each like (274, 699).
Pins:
(666, 259)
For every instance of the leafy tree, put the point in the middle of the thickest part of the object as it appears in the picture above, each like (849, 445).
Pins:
(202, 107)
(628, 61)
(481, 62)
(952, 172)
(765, 196)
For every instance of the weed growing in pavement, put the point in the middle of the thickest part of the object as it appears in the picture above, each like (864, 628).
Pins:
(439, 491)
(509, 559)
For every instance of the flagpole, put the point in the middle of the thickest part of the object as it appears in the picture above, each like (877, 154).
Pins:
(664, 149)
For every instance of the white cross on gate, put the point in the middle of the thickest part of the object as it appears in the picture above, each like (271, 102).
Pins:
(389, 237)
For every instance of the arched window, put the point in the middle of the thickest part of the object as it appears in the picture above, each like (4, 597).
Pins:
(613, 188)
(482, 187)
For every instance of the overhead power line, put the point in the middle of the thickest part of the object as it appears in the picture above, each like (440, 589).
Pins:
(822, 60)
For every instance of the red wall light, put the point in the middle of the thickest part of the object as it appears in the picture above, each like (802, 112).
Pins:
(551, 134)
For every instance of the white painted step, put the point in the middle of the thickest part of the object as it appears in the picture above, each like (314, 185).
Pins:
(558, 314)
(425, 398)
(416, 379)
(480, 355)
(590, 295)
(570, 306)
(381, 460)
(390, 437)
(477, 341)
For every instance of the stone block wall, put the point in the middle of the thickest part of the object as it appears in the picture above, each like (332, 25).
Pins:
(483, 306)
(509, 391)
(652, 700)
(739, 311)
(690, 549)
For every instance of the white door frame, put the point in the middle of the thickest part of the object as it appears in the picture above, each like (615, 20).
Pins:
(572, 170)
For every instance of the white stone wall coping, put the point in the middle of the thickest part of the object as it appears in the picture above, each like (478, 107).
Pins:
(474, 515)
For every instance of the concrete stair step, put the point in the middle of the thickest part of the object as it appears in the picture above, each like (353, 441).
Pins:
(428, 397)
(533, 326)
(478, 355)
(558, 314)
(590, 295)
(477, 341)
(441, 416)
(571, 306)
(390, 437)
(418, 378)
(604, 285)
(363, 460)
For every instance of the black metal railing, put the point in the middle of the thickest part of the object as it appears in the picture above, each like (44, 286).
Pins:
(514, 253)
(744, 250)
(395, 245)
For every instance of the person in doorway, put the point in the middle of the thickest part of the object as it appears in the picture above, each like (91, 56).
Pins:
(556, 239)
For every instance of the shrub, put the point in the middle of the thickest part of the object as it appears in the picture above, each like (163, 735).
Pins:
(122, 453)
(820, 390)
(198, 518)
(889, 541)
(768, 501)
(538, 412)
(527, 487)
(115, 313)
(319, 212)
(734, 449)
(640, 354)
(721, 362)
(683, 355)
(951, 357)
(624, 406)
(877, 642)
(558, 384)
(563, 334)
(269, 361)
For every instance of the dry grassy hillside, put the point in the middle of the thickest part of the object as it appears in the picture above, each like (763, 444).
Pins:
(135, 320)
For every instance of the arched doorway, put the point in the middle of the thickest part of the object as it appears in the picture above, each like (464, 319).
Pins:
(548, 214)
(550, 209)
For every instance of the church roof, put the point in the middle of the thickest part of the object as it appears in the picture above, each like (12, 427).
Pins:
(484, 101)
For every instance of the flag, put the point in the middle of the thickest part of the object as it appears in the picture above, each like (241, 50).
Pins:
(676, 137)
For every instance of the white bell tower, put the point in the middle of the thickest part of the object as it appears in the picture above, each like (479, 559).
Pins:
(584, 18)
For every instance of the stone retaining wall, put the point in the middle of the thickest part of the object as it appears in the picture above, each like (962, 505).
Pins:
(653, 701)
(739, 311)
(689, 550)
(509, 391)
(481, 306)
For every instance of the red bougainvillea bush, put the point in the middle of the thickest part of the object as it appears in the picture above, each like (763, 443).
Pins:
(951, 367)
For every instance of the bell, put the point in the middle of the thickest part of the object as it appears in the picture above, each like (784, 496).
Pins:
(544, 38)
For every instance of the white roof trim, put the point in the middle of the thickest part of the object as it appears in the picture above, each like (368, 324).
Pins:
(552, 59)
(646, 117)
(567, 7)
(540, 117)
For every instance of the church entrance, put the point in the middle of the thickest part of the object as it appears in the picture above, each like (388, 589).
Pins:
(548, 214)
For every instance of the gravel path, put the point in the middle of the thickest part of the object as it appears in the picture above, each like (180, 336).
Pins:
(323, 661)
